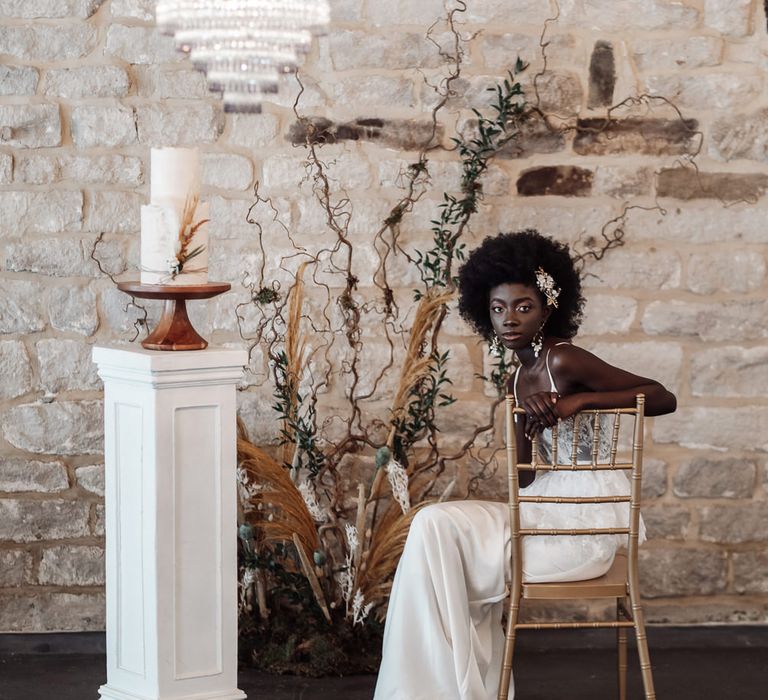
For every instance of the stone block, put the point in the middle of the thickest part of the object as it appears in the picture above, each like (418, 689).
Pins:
(30, 126)
(729, 17)
(353, 50)
(622, 182)
(562, 180)
(626, 268)
(141, 45)
(60, 257)
(86, 81)
(15, 568)
(143, 10)
(500, 51)
(114, 254)
(37, 169)
(690, 183)
(30, 521)
(707, 91)
(40, 212)
(72, 565)
(66, 365)
(48, 42)
(254, 408)
(230, 218)
(49, 9)
(730, 371)
(740, 136)
(734, 524)
(535, 136)
(367, 91)
(560, 92)
(21, 307)
(666, 573)
(666, 522)
(612, 16)
(59, 428)
(714, 477)
(706, 222)
(651, 136)
(656, 360)
(188, 125)
(654, 478)
(403, 134)
(602, 75)
(750, 571)
(15, 369)
(18, 474)
(738, 271)
(18, 80)
(108, 126)
(347, 170)
(91, 478)
(232, 308)
(106, 170)
(421, 14)
(678, 53)
(715, 428)
(52, 612)
(72, 309)
(731, 321)
(227, 171)
(163, 82)
(98, 520)
(114, 212)
(252, 130)
(6, 168)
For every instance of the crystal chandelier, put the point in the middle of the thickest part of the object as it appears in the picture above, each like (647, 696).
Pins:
(243, 46)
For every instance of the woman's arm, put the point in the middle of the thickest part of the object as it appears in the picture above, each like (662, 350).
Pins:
(586, 381)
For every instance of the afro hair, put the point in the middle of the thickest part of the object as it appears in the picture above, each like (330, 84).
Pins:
(513, 258)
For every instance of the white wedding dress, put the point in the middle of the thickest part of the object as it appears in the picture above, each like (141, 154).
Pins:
(443, 638)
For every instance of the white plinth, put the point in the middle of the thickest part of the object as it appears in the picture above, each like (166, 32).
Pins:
(171, 523)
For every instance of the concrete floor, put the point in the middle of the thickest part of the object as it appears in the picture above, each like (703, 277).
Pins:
(701, 664)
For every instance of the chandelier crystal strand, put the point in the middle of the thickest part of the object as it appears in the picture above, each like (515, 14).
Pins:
(243, 46)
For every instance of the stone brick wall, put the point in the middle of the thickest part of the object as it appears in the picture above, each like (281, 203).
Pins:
(87, 86)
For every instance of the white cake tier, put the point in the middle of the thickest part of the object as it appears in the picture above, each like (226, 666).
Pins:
(160, 245)
(175, 176)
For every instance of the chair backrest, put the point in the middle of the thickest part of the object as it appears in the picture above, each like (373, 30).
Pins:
(604, 453)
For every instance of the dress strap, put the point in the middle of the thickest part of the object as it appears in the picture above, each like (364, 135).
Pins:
(552, 385)
(514, 384)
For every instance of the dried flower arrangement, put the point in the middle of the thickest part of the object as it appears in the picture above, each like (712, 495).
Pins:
(316, 565)
(188, 227)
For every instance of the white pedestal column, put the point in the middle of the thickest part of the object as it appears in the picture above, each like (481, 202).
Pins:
(171, 523)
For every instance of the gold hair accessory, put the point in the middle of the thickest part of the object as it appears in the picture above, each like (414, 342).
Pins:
(546, 285)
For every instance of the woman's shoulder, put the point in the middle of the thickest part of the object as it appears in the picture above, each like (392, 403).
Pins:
(566, 357)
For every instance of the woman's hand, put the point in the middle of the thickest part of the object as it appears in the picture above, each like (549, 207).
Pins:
(540, 412)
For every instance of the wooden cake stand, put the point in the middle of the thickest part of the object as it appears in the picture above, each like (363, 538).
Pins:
(174, 331)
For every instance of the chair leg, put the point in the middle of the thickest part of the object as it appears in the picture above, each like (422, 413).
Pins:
(642, 650)
(621, 643)
(509, 648)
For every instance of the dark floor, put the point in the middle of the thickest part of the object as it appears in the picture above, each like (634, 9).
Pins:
(720, 663)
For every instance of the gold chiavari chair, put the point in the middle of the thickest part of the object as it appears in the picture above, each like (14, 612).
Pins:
(621, 581)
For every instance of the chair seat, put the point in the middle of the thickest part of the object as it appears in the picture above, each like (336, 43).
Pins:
(612, 584)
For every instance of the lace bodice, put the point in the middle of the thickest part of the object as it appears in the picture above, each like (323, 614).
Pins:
(584, 440)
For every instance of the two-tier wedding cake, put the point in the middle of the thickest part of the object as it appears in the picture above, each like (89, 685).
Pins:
(174, 225)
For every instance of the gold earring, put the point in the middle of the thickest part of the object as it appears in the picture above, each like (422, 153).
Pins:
(495, 346)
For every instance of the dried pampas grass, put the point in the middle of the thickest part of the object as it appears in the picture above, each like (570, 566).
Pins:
(288, 513)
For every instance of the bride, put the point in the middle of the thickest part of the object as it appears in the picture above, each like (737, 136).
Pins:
(443, 638)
